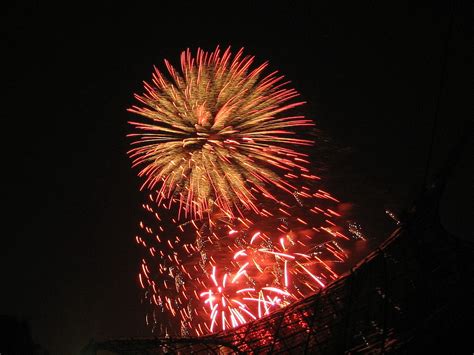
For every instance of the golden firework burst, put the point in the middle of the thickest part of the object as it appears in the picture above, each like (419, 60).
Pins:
(217, 133)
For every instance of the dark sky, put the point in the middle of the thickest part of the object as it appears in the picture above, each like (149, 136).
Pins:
(370, 72)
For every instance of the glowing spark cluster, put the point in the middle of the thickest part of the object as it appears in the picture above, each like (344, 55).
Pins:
(216, 133)
(236, 225)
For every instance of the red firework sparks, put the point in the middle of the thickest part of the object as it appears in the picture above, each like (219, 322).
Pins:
(220, 273)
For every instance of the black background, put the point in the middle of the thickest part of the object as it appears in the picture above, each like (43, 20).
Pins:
(372, 73)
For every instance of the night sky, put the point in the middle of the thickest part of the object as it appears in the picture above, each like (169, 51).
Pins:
(371, 74)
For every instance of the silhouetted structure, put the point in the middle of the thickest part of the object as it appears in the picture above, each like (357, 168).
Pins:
(410, 296)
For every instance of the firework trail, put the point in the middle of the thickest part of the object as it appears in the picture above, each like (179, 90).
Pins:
(236, 225)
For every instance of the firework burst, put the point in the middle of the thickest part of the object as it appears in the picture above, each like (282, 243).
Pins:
(236, 225)
(218, 133)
